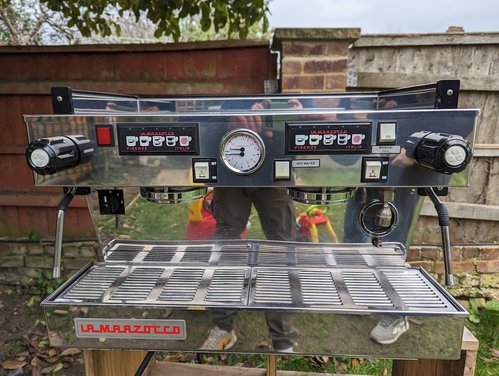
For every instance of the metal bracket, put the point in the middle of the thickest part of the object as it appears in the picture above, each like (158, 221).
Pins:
(111, 201)
(62, 100)
(447, 94)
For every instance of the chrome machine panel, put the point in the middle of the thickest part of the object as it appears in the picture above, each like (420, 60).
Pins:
(366, 159)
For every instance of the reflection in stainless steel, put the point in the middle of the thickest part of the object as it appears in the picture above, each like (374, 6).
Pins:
(320, 151)
(301, 284)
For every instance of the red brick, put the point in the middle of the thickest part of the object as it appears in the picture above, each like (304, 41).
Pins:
(413, 254)
(456, 253)
(336, 81)
(315, 82)
(426, 265)
(325, 66)
(470, 252)
(303, 49)
(491, 253)
(457, 267)
(430, 253)
(337, 49)
(489, 266)
(291, 67)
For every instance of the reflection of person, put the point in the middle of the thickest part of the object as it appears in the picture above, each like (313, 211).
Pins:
(231, 209)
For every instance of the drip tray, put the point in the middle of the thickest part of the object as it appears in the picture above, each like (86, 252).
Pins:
(333, 294)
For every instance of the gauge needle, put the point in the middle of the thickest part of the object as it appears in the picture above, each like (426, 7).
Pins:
(240, 149)
(241, 154)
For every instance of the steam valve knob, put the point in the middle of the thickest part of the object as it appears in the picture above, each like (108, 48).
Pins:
(49, 155)
(440, 152)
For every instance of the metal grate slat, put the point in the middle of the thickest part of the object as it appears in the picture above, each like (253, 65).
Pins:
(197, 254)
(138, 285)
(124, 253)
(318, 287)
(272, 286)
(234, 255)
(93, 285)
(160, 254)
(414, 292)
(182, 285)
(365, 289)
(227, 285)
(272, 255)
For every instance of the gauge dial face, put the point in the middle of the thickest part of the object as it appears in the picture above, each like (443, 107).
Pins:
(242, 151)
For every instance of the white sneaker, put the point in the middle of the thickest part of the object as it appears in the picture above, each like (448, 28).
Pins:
(286, 350)
(219, 339)
(389, 329)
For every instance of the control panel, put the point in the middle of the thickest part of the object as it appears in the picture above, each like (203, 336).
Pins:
(328, 138)
(167, 139)
(317, 149)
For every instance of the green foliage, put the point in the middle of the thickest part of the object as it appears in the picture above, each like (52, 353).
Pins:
(33, 235)
(43, 286)
(487, 333)
(96, 16)
(491, 305)
(474, 313)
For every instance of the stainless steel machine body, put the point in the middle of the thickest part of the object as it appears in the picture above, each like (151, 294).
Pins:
(365, 155)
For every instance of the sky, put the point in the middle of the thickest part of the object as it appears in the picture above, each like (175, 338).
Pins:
(384, 16)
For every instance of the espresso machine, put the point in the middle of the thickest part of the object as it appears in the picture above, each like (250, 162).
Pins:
(141, 162)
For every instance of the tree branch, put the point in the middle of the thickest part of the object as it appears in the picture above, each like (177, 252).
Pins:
(10, 27)
(43, 18)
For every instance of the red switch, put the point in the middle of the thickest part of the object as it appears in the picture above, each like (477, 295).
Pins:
(104, 135)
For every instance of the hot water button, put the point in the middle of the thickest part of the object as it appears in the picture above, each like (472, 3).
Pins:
(372, 170)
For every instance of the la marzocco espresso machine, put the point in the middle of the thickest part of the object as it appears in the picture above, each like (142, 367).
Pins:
(366, 159)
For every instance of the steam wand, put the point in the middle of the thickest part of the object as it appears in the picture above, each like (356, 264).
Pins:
(443, 221)
(63, 205)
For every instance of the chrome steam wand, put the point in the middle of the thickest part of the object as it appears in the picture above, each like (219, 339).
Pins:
(443, 221)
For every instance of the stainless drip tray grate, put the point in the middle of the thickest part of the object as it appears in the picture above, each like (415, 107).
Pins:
(256, 253)
(302, 289)
(262, 275)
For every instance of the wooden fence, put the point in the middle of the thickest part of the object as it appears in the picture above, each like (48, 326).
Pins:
(389, 61)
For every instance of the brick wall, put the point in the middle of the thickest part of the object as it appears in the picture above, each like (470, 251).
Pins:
(313, 59)
(475, 268)
(21, 262)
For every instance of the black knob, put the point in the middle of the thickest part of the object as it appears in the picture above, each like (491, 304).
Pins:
(441, 152)
(52, 154)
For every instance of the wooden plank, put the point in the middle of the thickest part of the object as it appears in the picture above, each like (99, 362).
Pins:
(464, 210)
(470, 342)
(215, 87)
(416, 40)
(141, 47)
(112, 362)
(33, 199)
(271, 365)
(486, 150)
(188, 369)
(390, 80)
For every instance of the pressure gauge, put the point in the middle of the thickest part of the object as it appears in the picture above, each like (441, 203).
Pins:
(242, 151)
